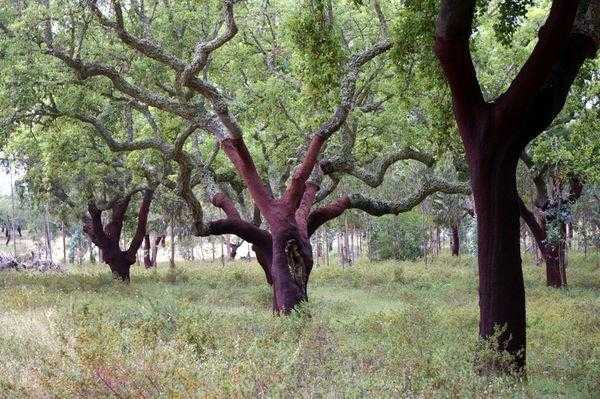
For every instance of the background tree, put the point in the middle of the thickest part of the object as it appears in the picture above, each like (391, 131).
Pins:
(204, 95)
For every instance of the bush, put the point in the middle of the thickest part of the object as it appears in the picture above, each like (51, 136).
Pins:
(397, 237)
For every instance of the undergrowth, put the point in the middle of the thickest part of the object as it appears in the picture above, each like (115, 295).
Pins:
(374, 329)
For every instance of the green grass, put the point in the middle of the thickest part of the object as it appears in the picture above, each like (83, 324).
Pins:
(376, 330)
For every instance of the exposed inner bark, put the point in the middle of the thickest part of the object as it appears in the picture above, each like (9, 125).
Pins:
(495, 134)
(107, 238)
(501, 287)
(292, 262)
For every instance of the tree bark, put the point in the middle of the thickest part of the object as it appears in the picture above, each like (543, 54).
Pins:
(501, 287)
(172, 259)
(48, 234)
(455, 240)
(495, 134)
(64, 242)
(292, 263)
(107, 238)
(147, 259)
(201, 249)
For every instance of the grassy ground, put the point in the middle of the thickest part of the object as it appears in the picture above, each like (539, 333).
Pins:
(377, 330)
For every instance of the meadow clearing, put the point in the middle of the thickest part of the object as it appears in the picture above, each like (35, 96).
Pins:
(395, 329)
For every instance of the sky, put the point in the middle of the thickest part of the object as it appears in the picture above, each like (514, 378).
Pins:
(5, 180)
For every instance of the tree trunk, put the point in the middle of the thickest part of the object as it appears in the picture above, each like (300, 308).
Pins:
(64, 242)
(455, 240)
(147, 259)
(172, 260)
(327, 247)
(118, 261)
(222, 251)
(554, 275)
(212, 244)
(92, 254)
(438, 241)
(48, 235)
(157, 241)
(553, 253)
(291, 266)
(501, 287)
(201, 249)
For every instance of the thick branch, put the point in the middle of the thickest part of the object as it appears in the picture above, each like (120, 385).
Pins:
(117, 146)
(348, 87)
(239, 155)
(114, 228)
(203, 49)
(86, 70)
(379, 208)
(374, 173)
(553, 37)
(142, 222)
(536, 229)
(548, 102)
(453, 30)
(246, 231)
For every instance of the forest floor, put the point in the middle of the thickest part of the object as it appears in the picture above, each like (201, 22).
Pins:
(377, 330)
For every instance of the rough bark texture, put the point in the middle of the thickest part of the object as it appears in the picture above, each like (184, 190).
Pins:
(494, 135)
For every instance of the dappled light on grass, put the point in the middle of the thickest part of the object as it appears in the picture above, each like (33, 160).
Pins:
(374, 329)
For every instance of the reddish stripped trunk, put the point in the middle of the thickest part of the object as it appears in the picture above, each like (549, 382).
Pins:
(494, 135)
(119, 262)
(501, 287)
(290, 269)
(107, 238)
(455, 240)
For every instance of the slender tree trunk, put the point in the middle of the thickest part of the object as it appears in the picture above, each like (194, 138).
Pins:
(64, 242)
(222, 251)
(339, 248)
(438, 241)
(347, 250)
(212, 243)
(327, 248)
(201, 249)
(455, 240)
(92, 254)
(147, 259)
(13, 219)
(172, 260)
(157, 241)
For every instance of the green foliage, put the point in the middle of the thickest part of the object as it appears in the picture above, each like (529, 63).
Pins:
(511, 13)
(397, 237)
(319, 55)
